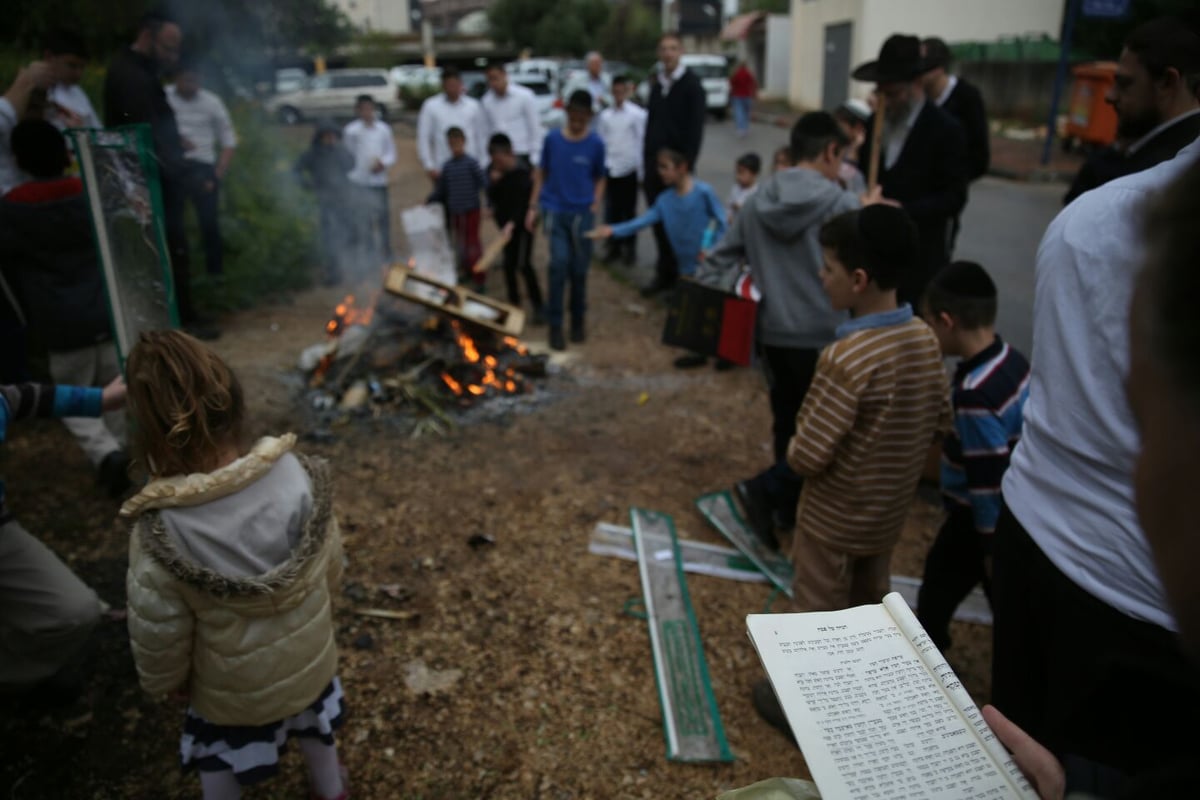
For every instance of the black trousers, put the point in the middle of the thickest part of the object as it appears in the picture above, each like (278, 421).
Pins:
(621, 205)
(203, 192)
(953, 567)
(666, 269)
(174, 196)
(518, 261)
(789, 373)
(1079, 676)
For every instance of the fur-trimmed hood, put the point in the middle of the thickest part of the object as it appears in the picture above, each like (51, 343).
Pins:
(185, 493)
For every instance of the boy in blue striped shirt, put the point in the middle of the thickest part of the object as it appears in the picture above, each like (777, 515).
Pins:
(458, 187)
(989, 390)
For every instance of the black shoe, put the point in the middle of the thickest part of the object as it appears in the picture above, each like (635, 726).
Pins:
(658, 286)
(757, 507)
(724, 365)
(113, 473)
(557, 341)
(767, 706)
(691, 361)
(577, 334)
(539, 318)
(202, 331)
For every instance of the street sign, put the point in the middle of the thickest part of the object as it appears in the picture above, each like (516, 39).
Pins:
(1106, 9)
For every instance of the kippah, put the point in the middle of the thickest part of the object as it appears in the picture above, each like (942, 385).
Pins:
(966, 279)
(888, 236)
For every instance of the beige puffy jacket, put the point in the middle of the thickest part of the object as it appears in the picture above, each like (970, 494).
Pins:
(250, 650)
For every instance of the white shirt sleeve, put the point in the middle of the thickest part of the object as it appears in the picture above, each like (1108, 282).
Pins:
(425, 131)
(388, 156)
(226, 136)
(640, 138)
(479, 151)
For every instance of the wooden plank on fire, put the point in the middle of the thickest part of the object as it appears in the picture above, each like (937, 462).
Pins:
(456, 301)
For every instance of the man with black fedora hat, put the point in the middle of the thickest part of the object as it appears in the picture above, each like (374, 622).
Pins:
(921, 152)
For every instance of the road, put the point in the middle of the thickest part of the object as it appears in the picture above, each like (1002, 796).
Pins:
(1002, 225)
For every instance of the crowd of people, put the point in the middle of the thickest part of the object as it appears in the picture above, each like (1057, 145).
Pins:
(1064, 480)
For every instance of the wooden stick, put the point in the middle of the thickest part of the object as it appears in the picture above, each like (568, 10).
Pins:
(383, 613)
(876, 136)
(492, 252)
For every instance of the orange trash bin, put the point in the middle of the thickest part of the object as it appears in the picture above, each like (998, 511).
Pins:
(1090, 118)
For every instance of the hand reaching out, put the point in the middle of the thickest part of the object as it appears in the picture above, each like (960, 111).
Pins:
(113, 396)
(1037, 763)
(602, 232)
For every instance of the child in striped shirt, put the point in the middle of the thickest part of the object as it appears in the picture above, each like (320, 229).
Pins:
(989, 390)
(458, 188)
(878, 401)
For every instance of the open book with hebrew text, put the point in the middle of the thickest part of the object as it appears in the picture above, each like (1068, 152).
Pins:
(877, 711)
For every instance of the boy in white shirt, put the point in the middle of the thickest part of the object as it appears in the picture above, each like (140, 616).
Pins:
(622, 127)
(370, 142)
(67, 105)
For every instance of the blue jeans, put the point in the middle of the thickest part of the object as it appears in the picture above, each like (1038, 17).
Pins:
(741, 113)
(570, 256)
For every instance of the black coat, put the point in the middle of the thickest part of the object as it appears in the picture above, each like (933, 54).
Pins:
(49, 258)
(325, 170)
(133, 93)
(929, 180)
(509, 196)
(676, 119)
(1110, 164)
(965, 104)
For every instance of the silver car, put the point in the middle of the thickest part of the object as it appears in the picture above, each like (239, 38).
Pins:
(333, 94)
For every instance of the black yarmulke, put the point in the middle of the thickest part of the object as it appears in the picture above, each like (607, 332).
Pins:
(888, 236)
(967, 280)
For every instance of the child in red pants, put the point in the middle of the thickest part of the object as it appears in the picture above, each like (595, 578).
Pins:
(458, 189)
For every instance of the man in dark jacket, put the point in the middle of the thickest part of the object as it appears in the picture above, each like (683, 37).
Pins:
(133, 93)
(959, 98)
(922, 155)
(675, 119)
(1155, 94)
(49, 258)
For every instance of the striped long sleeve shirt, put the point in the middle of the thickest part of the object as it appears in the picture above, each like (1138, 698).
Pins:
(878, 401)
(459, 185)
(989, 396)
(38, 400)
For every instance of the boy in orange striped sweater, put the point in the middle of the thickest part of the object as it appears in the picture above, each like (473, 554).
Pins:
(879, 400)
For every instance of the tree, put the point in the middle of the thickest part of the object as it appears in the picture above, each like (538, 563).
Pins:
(769, 6)
(548, 27)
(631, 33)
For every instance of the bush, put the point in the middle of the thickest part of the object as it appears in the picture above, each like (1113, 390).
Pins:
(268, 222)
(414, 96)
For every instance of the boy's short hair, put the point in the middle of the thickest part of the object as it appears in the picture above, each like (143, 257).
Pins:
(500, 143)
(580, 100)
(880, 240)
(494, 64)
(450, 71)
(670, 35)
(622, 78)
(750, 161)
(60, 42)
(455, 132)
(966, 292)
(814, 132)
(1169, 42)
(39, 149)
(363, 98)
(674, 156)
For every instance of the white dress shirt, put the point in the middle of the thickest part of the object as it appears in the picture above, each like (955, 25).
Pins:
(74, 99)
(203, 121)
(367, 143)
(622, 129)
(894, 136)
(668, 81)
(439, 115)
(1070, 484)
(514, 114)
(949, 90)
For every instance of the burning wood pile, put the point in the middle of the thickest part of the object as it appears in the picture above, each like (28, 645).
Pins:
(389, 356)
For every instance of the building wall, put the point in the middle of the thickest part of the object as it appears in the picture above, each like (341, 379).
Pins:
(379, 16)
(875, 20)
(778, 59)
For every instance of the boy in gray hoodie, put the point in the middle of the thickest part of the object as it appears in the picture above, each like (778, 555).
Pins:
(776, 234)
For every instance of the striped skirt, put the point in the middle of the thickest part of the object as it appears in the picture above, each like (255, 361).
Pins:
(252, 751)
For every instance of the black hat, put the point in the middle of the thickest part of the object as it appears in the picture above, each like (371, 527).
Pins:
(899, 60)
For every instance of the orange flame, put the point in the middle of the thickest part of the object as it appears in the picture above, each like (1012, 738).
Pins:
(470, 350)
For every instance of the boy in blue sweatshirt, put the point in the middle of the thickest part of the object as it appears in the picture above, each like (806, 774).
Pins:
(990, 387)
(691, 214)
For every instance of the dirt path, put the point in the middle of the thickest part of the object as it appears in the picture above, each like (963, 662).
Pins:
(551, 693)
